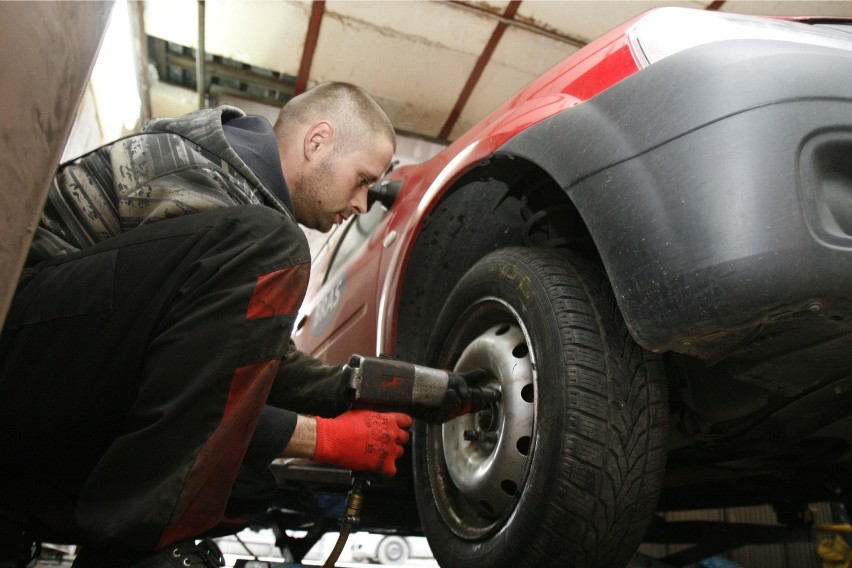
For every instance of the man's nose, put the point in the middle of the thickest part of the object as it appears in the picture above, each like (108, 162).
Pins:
(359, 202)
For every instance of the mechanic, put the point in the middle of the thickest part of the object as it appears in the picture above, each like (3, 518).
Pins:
(146, 361)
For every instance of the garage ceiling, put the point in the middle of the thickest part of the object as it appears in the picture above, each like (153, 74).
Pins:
(436, 67)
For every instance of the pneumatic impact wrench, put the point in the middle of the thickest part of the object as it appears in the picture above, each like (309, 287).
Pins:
(434, 395)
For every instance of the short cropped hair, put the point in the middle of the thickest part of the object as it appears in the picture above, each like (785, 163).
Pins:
(353, 112)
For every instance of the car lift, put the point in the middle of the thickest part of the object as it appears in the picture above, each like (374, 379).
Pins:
(709, 539)
(713, 538)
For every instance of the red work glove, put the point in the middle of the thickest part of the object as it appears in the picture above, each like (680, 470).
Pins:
(363, 440)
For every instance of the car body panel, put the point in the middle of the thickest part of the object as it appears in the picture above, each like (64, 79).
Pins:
(597, 66)
(714, 192)
(600, 64)
(341, 307)
(550, 102)
(710, 183)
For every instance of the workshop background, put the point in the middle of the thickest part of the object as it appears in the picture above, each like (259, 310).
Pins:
(436, 67)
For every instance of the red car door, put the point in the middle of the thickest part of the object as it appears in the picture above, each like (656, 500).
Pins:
(339, 318)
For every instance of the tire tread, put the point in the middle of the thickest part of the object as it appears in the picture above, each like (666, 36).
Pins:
(612, 453)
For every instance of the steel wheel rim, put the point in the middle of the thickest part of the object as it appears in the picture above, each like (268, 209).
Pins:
(477, 481)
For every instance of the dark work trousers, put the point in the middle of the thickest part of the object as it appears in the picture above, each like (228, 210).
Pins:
(132, 375)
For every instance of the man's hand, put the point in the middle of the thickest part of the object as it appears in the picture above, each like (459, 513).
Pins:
(363, 440)
(461, 398)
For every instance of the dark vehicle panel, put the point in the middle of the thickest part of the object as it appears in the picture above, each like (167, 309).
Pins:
(734, 178)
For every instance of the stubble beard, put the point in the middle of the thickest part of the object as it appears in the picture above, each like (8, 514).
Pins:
(312, 188)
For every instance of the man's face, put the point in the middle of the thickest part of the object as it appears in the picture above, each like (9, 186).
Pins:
(336, 186)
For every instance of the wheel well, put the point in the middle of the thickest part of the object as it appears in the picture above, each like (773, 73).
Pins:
(504, 202)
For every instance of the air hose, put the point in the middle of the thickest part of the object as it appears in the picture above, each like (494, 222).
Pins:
(351, 518)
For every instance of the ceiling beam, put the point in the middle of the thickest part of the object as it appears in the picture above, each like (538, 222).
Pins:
(136, 12)
(232, 73)
(526, 26)
(317, 11)
(479, 68)
(200, 58)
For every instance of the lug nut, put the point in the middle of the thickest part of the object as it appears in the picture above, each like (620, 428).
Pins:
(480, 436)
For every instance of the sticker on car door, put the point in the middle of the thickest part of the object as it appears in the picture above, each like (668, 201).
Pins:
(328, 306)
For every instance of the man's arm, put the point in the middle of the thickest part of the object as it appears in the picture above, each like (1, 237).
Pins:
(303, 442)
(307, 385)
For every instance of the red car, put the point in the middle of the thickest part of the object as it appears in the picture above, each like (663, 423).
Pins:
(650, 249)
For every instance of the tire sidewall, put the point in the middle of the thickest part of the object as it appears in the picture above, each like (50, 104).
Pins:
(520, 288)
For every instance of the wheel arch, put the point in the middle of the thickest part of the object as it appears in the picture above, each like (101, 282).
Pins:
(503, 201)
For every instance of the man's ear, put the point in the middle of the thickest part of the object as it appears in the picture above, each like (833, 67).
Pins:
(318, 139)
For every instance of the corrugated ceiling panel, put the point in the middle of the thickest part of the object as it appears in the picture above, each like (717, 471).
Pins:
(173, 21)
(496, 6)
(429, 23)
(588, 19)
(371, 43)
(413, 56)
(270, 35)
(520, 57)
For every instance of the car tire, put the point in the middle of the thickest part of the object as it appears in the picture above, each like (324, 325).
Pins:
(566, 469)
(393, 550)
